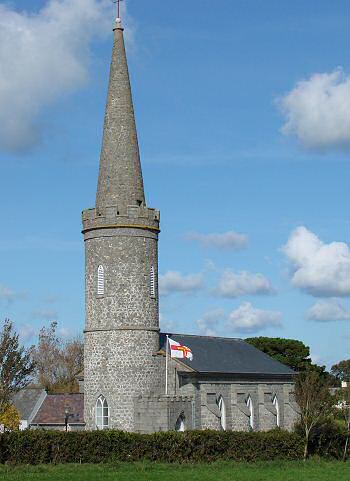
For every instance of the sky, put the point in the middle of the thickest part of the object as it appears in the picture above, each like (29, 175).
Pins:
(243, 114)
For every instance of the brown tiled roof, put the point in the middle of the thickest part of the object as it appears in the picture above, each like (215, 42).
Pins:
(52, 411)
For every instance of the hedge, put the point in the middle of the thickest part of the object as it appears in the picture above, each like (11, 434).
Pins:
(328, 440)
(43, 447)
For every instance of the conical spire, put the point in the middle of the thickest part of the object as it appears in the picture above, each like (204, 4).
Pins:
(120, 180)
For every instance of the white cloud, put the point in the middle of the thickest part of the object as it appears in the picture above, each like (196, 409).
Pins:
(166, 324)
(210, 320)
(45, 314)
(43, 56)
(65, 332)
(172, 282)
(8, 294)
(317, 359)
(317, 111)
(247, 318)
(243, 283)
(328, 311)
(227, 240)
(26, 332)
(320, 269)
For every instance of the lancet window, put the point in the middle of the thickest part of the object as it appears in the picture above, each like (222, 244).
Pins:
(100, 281)
(152, 282)
(249, 403)
(222, 409)
(276, 404)
(180, 423)
(102, 413)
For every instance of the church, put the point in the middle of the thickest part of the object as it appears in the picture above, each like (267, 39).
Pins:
(130, 380)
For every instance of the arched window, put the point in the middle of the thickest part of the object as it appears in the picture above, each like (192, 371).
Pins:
(222, 409)
(102, 413)
(180, 423)
(152, 282)
(277, 406)
(100, 281)
(249, 403)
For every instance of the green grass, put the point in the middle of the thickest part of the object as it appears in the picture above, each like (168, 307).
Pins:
(221, 471)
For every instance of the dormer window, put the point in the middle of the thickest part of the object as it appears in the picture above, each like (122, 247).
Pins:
(100, 281)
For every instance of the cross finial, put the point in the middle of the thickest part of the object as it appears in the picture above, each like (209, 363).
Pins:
(118, 2)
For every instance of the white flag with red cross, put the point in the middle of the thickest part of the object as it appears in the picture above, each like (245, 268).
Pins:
(179, 351)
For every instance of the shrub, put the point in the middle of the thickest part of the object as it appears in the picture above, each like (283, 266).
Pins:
(328, 439)
(10, 418)
(36, 447)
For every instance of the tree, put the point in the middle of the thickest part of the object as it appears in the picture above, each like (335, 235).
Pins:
(343, 397)
(57, 360)
(16, 365)
(290, 352)
(342, 370)
(10, 418)
(314, 401)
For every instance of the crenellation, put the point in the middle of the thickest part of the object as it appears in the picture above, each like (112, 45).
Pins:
(137, 217)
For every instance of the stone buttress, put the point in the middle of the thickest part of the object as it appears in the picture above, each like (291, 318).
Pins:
(121, 236)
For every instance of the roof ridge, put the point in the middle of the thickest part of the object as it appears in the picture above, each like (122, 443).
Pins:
(201, 335)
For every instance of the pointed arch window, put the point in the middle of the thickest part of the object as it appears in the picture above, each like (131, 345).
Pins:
(222, 409)
(100, 281)
(249, 403)
(277, 406)
(102, 413)
(152, 282)
(180, 423)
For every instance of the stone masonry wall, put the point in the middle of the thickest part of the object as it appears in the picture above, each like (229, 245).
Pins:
(206, 392)
(119, 365)
(122, 325)
(127, 256)
(160, 413)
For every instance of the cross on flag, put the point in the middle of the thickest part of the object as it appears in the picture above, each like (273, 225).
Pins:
(179, 351)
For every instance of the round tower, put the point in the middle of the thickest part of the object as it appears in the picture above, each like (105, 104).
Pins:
(121, 236)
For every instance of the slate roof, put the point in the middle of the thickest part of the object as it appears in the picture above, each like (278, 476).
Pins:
(26, 400)
(52, 411)
(227, 355)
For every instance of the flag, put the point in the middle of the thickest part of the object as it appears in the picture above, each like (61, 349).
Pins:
(179, 351)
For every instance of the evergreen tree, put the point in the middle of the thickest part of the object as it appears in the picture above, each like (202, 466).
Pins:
(342, 370)
(292, 353)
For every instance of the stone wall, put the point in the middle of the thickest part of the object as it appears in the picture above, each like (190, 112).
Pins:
(122, 324)
(206, 393)
(160, 413)
(120, 365)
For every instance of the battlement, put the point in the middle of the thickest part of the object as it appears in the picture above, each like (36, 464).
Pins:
(110, 217)
(160, 412)
(163, 398)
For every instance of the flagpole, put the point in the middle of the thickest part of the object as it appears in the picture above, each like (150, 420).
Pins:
(166, 365)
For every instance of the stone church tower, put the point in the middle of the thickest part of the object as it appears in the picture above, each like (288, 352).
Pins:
(229, 384)
(121, 236)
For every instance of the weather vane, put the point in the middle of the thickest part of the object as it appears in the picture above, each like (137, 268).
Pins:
(118, 2)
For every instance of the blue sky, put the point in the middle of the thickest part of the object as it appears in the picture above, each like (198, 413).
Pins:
(243, 112)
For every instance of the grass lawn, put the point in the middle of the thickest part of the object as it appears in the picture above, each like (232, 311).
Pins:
(221, 471)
